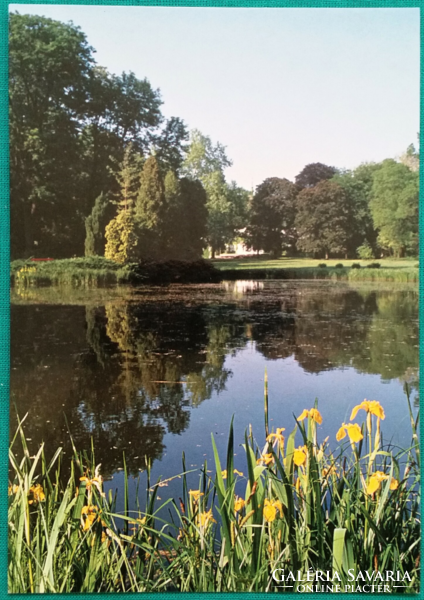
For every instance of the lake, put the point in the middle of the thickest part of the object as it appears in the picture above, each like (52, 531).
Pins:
(153, 372)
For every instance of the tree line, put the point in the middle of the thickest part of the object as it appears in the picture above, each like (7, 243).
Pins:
(96, 168)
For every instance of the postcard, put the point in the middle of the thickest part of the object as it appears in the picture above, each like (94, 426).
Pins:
(214, 352)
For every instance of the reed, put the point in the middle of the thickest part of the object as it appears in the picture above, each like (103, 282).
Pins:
(299, 505)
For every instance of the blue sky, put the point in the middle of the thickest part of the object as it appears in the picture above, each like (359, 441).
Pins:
(279, 87)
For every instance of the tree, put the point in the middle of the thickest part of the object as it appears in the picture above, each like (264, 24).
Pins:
(394, 207)
(272, 212)
(204, 157)
(226, 204)
(411, 158)
(313, 174)
(193, 218)
(358, 185)
(150, 211)
(121, 238)
(68, 117)
(50, 64)
(322, 219)
(170, 145)
(128, 178)
(186, 217)
(95, 225)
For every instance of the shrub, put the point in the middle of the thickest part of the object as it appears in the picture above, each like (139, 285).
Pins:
(322, 266)
(374, 266)
(339, 266)
(365, 252)
(356, 266)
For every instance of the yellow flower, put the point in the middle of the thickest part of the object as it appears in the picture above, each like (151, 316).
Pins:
(353, 431)
(329, 471)
(195, 494)
(224, 473)
(89, 515)
(37, 494)
(370, 406)
(13, 489)
(278, 506)
(95, 481)
(277, 436)
(266, 458)
(238, 504)
(313, 413)
(394, 484)
(270, 511)
(205, 518)
(299, 456)
(376, 479)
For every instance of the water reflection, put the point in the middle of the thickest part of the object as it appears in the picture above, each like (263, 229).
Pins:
(129, 371)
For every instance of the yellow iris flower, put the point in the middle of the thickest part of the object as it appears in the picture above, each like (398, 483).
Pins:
(236, 472)
(238, 504)
(195, 494)
(265, 458)
(36, 493)
(299, 456)
(377, 478)
(89, 514)
(370, 406)
(270, 509)
(204, 519)
(353, 431)
(276, 436)
(313, 413)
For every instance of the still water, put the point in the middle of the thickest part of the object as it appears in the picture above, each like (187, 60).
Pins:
(153, 372)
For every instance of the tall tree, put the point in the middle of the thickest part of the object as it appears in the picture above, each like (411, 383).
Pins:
(272, 213)
(204, 157)
(322, 219)
(394, 207)
(313, 174)
(358, 186)
(170, 144)
(150, 211)
(95, 225)
(49, 68)
(226, 204)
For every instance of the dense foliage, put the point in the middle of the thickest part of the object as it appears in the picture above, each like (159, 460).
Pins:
(96, 168)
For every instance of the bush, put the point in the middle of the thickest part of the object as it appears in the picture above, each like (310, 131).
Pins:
(365, 252)
(374, 266)
(339, 266)
(322, 266)
(356, 266)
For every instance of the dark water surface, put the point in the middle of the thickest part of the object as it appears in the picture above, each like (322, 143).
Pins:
(155, 372)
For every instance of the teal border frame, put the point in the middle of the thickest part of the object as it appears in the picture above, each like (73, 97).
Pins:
(4, 248)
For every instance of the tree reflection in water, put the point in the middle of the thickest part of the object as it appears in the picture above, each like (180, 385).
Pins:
(130, 370)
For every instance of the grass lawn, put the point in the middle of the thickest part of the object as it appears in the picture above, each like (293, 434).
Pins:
(258, 262)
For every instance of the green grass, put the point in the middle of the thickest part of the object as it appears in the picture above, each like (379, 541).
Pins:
(302, 503)
(76, 272)
(259, 262)
(399, 270)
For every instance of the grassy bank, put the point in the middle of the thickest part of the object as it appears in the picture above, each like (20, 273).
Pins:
(264, 262)
(391, 270)
(101, 272)
(302, 503)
